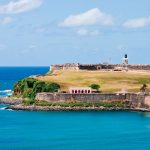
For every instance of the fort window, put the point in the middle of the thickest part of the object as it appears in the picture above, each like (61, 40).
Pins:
(98, 68)
(80, 90)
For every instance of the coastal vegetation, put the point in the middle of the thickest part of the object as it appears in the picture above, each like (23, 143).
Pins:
(107, 104)
(29, 87)
(144, 88)
(95, 87)
(109, 81)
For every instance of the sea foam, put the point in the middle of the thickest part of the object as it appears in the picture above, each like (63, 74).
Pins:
(6, 93)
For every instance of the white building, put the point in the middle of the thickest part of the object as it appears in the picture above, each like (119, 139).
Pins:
(80, 90)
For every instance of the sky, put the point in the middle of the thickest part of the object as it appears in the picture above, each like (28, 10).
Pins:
(45, 32)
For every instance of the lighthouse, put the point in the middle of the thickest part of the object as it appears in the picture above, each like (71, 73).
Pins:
(125, 59)
(125, 62)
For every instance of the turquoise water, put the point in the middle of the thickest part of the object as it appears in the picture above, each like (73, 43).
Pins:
(20, 130)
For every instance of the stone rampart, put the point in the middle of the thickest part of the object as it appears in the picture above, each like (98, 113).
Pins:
(135, 100)
(94, 97)
(98, 66)
(10, 100)
(139, 67)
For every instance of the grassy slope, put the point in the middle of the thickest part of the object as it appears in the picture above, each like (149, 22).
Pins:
(109, 81)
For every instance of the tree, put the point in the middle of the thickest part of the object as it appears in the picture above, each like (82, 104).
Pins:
(144, 88)
(95, 87)
(29, 87)
(51, 87)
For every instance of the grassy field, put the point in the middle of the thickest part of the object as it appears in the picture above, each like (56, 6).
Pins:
(108, 80)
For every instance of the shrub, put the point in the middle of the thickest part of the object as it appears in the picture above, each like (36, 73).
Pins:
(38, 86)
(144, 88)
(95, 87)
(28, 102)
(30, 82)
(53, 87)
(42, 103)
(29, 87)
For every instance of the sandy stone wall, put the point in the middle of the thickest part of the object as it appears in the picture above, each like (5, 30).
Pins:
(10, 100)
(146, 102)
(135, 100)
(139, 67)
(97, 66)
(80, 97)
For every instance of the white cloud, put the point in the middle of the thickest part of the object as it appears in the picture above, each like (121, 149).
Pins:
(137, 23)
(7, 20)
(85, 32)
(19, 6)
(91, 17)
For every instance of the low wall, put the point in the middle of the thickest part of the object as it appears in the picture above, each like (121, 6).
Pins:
(98, 66)
(10, 100)
(94, 97)
(139, 67)
(135, 100)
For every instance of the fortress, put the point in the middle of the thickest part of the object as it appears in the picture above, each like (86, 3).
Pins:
(116, 67)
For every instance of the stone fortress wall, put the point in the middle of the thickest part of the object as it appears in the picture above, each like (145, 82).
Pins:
(135, 100)
(92, 97)
(99, 67)
(139, 67)
(105, 66)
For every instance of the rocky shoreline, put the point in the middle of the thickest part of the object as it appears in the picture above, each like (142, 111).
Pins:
(59, 108)
(16, 104)
(10, 100)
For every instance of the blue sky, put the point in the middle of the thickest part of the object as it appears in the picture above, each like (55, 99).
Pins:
(44, 32)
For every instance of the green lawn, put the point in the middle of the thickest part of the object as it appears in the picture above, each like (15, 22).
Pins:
(109, 81)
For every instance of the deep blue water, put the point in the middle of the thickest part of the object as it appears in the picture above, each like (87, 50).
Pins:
(23, 130)
(10, 75)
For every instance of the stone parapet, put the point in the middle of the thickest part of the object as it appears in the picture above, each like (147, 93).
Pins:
(93, 97)
(135, 100)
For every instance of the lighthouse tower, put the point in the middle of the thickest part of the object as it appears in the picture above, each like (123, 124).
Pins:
(125, 59)
(125, 62)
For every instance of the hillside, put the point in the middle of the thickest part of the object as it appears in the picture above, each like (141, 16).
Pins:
(108, 80)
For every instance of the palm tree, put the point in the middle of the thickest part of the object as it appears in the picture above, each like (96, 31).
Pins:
(144, 88)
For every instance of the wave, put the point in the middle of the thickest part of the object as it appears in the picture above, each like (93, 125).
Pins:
(9, 94)
(6, 91)
(9, 109)
(3, 108)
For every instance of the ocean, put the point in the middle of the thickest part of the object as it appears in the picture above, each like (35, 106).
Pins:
(105, 130)
(10, 75)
